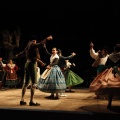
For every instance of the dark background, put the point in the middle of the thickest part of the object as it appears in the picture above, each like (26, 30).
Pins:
(73, 26)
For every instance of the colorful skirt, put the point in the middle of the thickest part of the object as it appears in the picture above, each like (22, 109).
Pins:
(106, 83)
(11, 79)
(72, 78)
(54, 82)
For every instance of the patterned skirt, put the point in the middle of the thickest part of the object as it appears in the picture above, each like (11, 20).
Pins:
(54, 82)
(72, 78)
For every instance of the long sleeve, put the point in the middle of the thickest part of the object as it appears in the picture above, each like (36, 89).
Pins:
(46, 50)
(93, 54)
(40, 43)
(66, 58)
(55, 62)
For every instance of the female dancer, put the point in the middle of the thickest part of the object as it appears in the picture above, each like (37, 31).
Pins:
(107, 83)
(11, 74)
(52, 80)
(71, 78)
(61, 62)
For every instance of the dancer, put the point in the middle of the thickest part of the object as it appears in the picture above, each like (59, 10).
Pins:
(71, 78)
(61, 62)
(11, 74)
(107, 83)
(52, 80)
(100, 58)
(32, 55)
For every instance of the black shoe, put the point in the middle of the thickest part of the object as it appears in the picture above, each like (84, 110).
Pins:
(22, 103)
(50, 97)
(56, 98)
(34, 104)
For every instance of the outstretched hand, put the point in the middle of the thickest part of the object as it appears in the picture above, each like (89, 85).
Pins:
(91, 45)
(49, 37)
(73, 53)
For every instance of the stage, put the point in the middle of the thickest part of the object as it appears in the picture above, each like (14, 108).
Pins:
(80, 102)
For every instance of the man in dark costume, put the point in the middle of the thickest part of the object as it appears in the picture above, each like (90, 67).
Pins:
(30, 73)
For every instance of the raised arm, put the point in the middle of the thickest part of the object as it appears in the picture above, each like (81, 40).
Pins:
(43, 41)
(68, 57)
(46, 50)
(93, 54)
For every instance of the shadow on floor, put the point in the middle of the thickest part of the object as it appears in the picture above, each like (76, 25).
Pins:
(16, 114)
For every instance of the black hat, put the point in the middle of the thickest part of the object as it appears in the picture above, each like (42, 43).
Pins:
(106, 48)
(117, 48)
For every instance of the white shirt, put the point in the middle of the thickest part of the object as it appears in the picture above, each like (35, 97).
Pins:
(53, 57)
(94, 55)
(4, 65)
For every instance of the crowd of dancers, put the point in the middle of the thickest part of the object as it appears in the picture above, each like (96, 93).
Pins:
(54, 79)
(58, 76)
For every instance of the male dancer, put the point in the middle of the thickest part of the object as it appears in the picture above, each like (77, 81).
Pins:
(32, 56)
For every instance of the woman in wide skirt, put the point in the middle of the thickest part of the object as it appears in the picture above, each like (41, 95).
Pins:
(71, 78)
(52, 80)
(107, 83)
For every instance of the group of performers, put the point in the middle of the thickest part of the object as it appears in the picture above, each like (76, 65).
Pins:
(107, 81)
(9, 42)
(54, 79)
(58, 76)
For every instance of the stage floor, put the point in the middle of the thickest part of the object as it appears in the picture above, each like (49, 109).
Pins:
(79, 101)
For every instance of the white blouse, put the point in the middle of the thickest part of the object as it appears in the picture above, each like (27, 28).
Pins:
(53, 57)
(94, 55)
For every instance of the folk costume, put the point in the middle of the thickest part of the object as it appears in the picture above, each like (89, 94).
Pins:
(107, 83)
(61, 63)
(100, 60)
(30, 71)
(52, 80)
(71, 78)
(11, 75)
